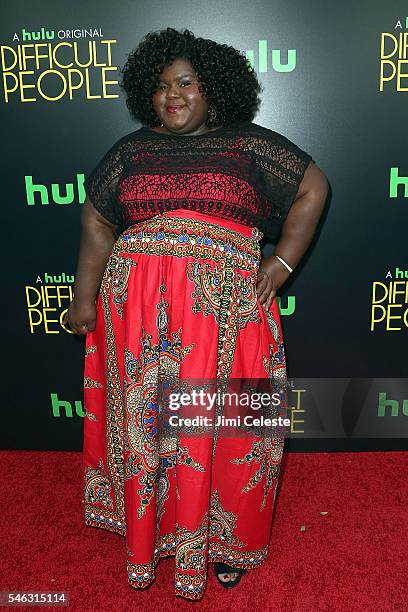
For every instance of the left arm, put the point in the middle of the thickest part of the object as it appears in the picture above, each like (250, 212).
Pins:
(297, 233)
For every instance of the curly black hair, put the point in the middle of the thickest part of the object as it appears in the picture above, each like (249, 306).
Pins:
(225, 75)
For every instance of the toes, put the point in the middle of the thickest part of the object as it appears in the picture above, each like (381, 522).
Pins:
(228, 577)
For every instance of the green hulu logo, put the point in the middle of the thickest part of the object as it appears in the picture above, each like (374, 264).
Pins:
(55, 193)
(391, 406)
(57, 279)
(58, 405)
(276, 58)
(401, 273)
(290, 307)
(395, 181)
(42, 34)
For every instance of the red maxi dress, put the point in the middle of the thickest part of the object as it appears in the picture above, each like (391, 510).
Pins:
(178, 296)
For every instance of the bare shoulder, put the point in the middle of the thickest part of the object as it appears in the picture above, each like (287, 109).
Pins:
(314, 181)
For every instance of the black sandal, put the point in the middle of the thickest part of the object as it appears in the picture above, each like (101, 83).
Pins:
(223, 568)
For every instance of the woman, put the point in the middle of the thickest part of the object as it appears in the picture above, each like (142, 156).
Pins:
(170, 286)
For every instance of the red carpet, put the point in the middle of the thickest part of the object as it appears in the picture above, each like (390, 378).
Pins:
(353, 558)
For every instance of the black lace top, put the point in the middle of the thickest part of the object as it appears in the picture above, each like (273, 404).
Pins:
(243, 172)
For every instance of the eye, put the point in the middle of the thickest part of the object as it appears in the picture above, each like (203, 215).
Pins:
(162, 85)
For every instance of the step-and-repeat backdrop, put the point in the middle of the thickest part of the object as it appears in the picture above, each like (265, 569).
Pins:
(335, 81)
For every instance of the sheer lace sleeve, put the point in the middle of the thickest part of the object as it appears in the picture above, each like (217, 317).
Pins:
(101, 183)
(281, 165)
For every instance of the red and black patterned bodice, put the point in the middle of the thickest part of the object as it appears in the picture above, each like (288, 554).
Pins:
(243, 172)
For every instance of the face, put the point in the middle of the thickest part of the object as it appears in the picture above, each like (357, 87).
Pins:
(179, 104)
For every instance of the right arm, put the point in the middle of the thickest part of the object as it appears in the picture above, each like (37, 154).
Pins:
(98, 236)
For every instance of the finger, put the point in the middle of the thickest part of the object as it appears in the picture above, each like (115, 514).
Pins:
(272, 296)
(224, 577)
(67, 325)
(261, 285)
(260, 275)
(91, 325)
(265, 294)
(78, 329)
(270, 299)
(81, 331)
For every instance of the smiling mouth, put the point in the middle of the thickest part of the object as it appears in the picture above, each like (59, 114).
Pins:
(174, 109)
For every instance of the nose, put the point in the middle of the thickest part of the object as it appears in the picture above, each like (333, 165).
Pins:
(173, 91)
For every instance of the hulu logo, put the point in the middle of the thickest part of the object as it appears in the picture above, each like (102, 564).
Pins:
(276, 58)
(43, 34)
(57, 279)
(392, 406)
(55, 192)
(58, 405)
(401, 273)
(396, 180)
(290, 307)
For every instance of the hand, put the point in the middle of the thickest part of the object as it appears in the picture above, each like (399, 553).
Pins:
(271, 276)
(80, 317)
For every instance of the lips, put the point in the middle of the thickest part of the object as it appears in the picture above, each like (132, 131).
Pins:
(174, 109)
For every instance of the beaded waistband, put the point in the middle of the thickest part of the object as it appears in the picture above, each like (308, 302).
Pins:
(181, 236)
